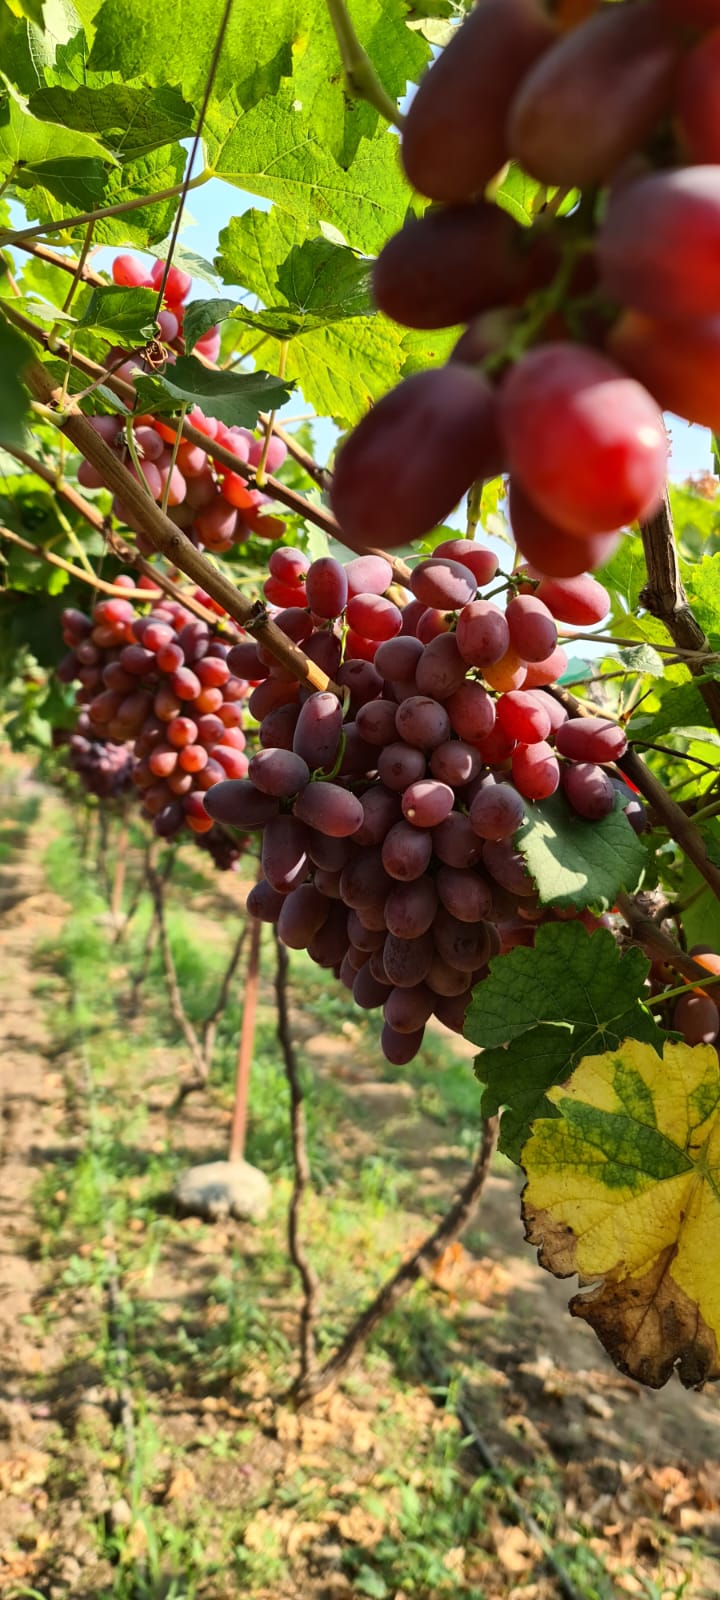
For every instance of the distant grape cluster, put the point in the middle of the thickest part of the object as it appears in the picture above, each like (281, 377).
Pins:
(213, 505)
(104, 769)
(388, 821)
(160, 684)
(580, 328)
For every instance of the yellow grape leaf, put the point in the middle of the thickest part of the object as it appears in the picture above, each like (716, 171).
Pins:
(624, 1190)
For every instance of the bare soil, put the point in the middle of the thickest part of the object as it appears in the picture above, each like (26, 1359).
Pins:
(635, 1474)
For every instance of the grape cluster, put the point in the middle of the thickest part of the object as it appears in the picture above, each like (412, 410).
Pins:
(388, 820)
(213, 505)
(579, 329)
(161, 682)
(104, 769)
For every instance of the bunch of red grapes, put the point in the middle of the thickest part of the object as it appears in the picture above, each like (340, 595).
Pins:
(580, 328)
(160, 684)
(104, 769)
(213, 505)
(388, 820)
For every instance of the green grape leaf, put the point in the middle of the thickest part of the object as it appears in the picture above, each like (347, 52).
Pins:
(575, 863)
(15, 352)
(32, 10)
(127, 314)
(235, 398)
(625, 574)
(75, 185)
(272, 151)
(201, 315)
(539, 1011)
(26, 141)
(702, 582)
(130, 119)
(623, 1190)
(642, 660)
(342, 354)
(187, 260)
(263, 46)
(524, 197)
(675, 707)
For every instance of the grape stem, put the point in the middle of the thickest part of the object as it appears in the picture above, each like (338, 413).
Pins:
(10, 238)
(665, 598)
(302, 1176)
(172, 542)
(678, 825)
(657, 944)
(288, 497)
(683, 988)
(360, 76)
(75, 572)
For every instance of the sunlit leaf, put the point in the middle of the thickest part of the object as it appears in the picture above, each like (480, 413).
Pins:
(623, 1189)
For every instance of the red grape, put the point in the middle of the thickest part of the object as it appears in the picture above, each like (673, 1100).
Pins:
(587, 443)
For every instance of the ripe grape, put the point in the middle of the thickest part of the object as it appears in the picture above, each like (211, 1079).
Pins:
(452, 410)
(453, 139)
(445, 267)
(587, 443)
(317, 731)
(482, 561)
(330, 809)
(237, 801)
(696, 100)
(400, 1048)
(369, 574)
(422, 722)
(443, 583)
(374, 617)
(482, 633)
(440, 670)
(640, 263)
(407, 961)
(496, 812)
(531, 626)
(581, 602)
(536, 773)
(697, 1018)
(279, 772)
(521, 717)
(301, 915)
(592, 739)
(381, 808)
(407, 1010)
(466, 895)
(455, 763)
(455, 843)
(400, 764)
(589, 789)
(375, 721)
(284, 856)
(368, 991)
(406, 851)
(678, 362)
(427, 803)
(594, 97)
(326, 587)
(547, 546)
(410, 908)
(471, 711)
